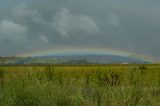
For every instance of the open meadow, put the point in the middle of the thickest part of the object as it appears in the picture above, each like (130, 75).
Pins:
(80, 85)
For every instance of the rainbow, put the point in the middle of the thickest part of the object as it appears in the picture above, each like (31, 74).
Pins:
(81, 51)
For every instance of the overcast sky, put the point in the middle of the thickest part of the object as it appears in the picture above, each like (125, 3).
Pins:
(131, 25)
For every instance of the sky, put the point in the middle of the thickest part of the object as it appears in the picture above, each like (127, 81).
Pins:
(125, 25)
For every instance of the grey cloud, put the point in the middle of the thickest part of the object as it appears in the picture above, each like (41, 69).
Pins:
(12, 37)
(12, 31)
(43, 38)
(68, 24)
(24, 14)
(113, 21)
(119, 24)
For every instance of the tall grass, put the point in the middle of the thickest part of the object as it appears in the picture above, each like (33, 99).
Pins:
(111, 85)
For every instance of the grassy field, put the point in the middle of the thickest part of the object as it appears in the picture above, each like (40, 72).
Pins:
(85, 85)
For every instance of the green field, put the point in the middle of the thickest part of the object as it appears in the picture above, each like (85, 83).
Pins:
(80, 85)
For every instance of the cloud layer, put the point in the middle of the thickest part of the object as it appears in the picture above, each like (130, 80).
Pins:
(118, 24)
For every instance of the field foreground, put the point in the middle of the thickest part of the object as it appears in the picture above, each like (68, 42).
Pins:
(80, 85)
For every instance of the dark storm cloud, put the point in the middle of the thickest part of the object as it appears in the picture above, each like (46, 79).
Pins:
(119, 24)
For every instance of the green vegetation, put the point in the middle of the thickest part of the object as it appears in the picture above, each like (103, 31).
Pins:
(92, 85)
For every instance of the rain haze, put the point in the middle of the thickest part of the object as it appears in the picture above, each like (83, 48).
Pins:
(130, 25)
